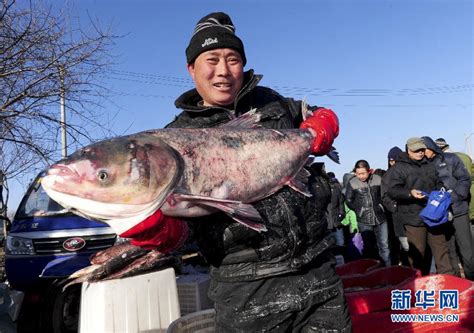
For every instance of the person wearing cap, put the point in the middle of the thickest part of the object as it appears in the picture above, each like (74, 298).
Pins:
(392, 156)
(467, 160)
(455, 177)
(412, 175)
(442, 144)
(282, 279)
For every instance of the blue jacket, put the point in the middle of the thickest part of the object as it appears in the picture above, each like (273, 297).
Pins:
(454, 175)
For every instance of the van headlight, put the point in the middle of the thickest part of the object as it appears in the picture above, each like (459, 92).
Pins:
(18, 245)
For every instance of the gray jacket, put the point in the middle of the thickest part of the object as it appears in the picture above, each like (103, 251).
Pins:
(365, 199)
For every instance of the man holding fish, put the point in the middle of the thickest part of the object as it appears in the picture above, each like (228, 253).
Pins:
(282, 279)
(232, 167)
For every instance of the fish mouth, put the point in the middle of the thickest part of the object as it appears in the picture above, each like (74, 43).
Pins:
(63, 171)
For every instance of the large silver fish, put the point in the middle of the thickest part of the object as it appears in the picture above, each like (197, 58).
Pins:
(183, 172)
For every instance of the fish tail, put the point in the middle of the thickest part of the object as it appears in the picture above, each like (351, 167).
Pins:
(305, 111)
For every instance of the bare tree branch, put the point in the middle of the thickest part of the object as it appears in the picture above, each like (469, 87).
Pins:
(36, 44)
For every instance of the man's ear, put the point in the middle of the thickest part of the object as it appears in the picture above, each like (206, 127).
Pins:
(191, 70)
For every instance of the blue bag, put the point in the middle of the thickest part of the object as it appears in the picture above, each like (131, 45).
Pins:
(437, 208)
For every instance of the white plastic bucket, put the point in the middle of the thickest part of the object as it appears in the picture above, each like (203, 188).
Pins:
(143, 303)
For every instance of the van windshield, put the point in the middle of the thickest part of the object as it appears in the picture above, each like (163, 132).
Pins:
(37, 203)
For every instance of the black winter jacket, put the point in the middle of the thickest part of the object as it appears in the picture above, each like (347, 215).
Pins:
(390, 206)
(336, 209)
(365, 199)
(296, 224)
(406, 175)
(454, 175)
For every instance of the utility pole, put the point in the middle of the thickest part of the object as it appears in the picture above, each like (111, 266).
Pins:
(63, 113)
(467, 141)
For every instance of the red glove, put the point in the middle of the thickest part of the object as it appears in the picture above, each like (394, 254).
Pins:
(325, 124)
(158, 232)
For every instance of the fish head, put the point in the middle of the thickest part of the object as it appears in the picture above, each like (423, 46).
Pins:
(115, 178)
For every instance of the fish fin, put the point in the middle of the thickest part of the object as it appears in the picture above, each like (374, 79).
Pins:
(239, 211)
(309, 160)
(84, 271)
(249, 223)
(334, 155)
(305, 111)
(75, 281)
(299, 182)
(249, 119)
(228, 206)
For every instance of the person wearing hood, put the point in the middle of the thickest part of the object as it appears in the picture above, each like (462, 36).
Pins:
(412, 175)
(397, 238)
(455, 178)
(283, 279)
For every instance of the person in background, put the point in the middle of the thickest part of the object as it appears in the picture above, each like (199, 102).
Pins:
(379, 172)
(363, 196)
(350, 225)
(467, 160)
(442, 144)
(396, 233)
(455, 177)
(336, 211)
(284, 279)
(409, 176)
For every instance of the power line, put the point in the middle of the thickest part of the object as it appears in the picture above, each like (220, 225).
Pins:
(173, 81)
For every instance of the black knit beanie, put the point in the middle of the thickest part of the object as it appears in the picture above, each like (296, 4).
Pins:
(214, 31)
(393, 153)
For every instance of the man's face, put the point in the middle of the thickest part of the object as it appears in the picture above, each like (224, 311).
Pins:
(218, 75)
(416, 155)
(429, 153)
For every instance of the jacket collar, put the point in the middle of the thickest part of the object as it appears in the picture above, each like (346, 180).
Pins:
(403, 157)
(190, 100)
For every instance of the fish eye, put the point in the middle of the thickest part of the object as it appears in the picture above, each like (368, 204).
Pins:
(102, 175)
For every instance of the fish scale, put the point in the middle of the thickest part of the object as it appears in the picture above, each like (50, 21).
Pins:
(240, 157)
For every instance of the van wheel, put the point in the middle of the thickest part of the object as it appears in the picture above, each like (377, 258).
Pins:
(61, 314)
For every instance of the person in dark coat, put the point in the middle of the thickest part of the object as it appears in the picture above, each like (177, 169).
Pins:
(363, 196)
(336, 211)
(283, 279)
(396, 233)
(411, 175)
(455, 177)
